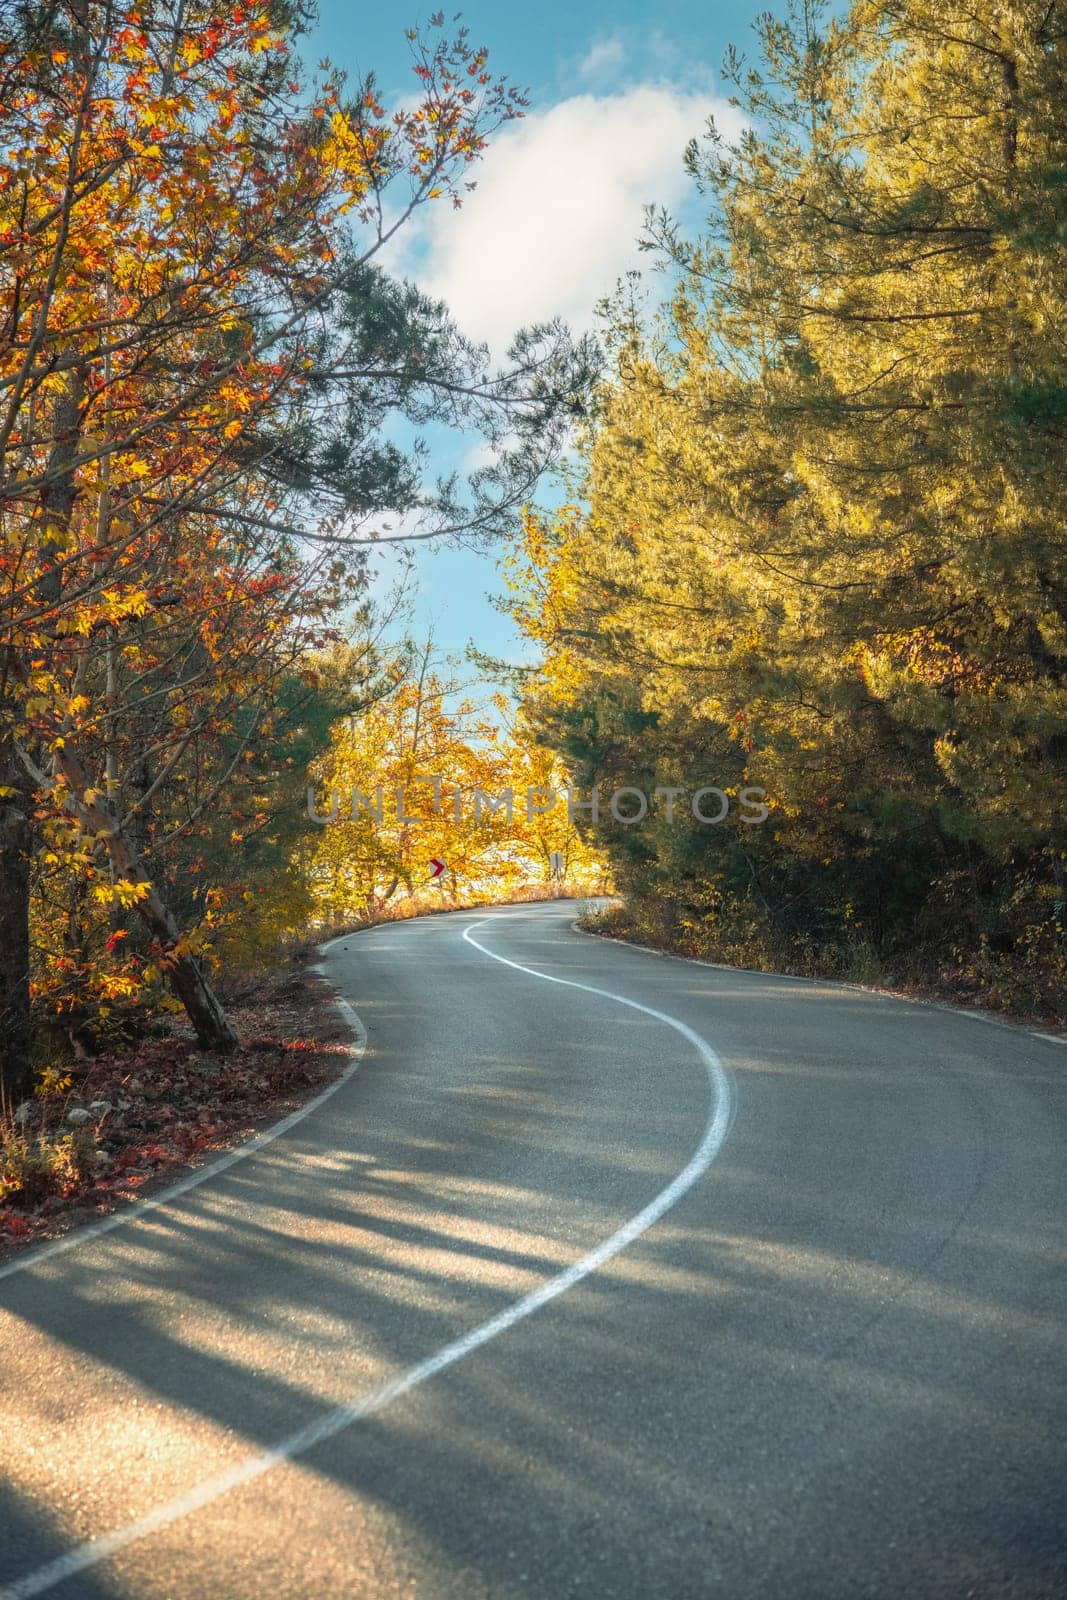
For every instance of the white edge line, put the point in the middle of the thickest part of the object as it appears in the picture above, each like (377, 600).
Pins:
(325, 1427)
(1017, 1028)
(89, 1231)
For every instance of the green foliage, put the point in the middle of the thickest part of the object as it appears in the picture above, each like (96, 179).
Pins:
(821, 550)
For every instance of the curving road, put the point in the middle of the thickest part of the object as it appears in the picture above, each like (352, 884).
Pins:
(605, 1275)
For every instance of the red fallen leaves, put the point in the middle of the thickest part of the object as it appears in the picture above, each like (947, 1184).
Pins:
(171, 1104)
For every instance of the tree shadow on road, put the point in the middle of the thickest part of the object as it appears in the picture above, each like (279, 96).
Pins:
(838, 1347)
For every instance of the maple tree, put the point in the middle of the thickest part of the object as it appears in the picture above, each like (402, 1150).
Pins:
(197, 361)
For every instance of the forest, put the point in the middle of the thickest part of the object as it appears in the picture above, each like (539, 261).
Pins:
(815, 540)
(804, 532)
(202, 369)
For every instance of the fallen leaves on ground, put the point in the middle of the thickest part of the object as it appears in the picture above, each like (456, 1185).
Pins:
(170, 1104)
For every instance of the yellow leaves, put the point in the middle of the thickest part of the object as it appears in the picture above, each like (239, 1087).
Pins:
(59, 537)
(355, 159)
(123, 892)
(134, 46)
(118, 605)
(203, 216)
(118, 985)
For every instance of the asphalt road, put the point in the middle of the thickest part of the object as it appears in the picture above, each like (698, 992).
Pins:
(746, 1288)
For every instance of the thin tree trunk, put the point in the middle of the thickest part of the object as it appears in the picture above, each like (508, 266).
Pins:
(16, 1070)
(1010, 104)
(210, 1023)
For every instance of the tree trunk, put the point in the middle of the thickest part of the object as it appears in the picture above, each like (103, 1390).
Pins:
(16, 834)
(210, 1023)
(16, 1072)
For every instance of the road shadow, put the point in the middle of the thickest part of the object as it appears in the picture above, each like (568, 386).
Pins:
(834, 1368)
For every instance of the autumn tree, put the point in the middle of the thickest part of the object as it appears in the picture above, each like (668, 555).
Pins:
(187, 232)
(433, 769)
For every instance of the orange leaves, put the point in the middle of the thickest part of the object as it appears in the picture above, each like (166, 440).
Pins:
(169, 237)
(131, 44)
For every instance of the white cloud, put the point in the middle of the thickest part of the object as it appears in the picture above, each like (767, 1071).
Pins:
(558, 208)
(604, 56)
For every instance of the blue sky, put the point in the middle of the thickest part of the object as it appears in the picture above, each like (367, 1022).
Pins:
(616, 92)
